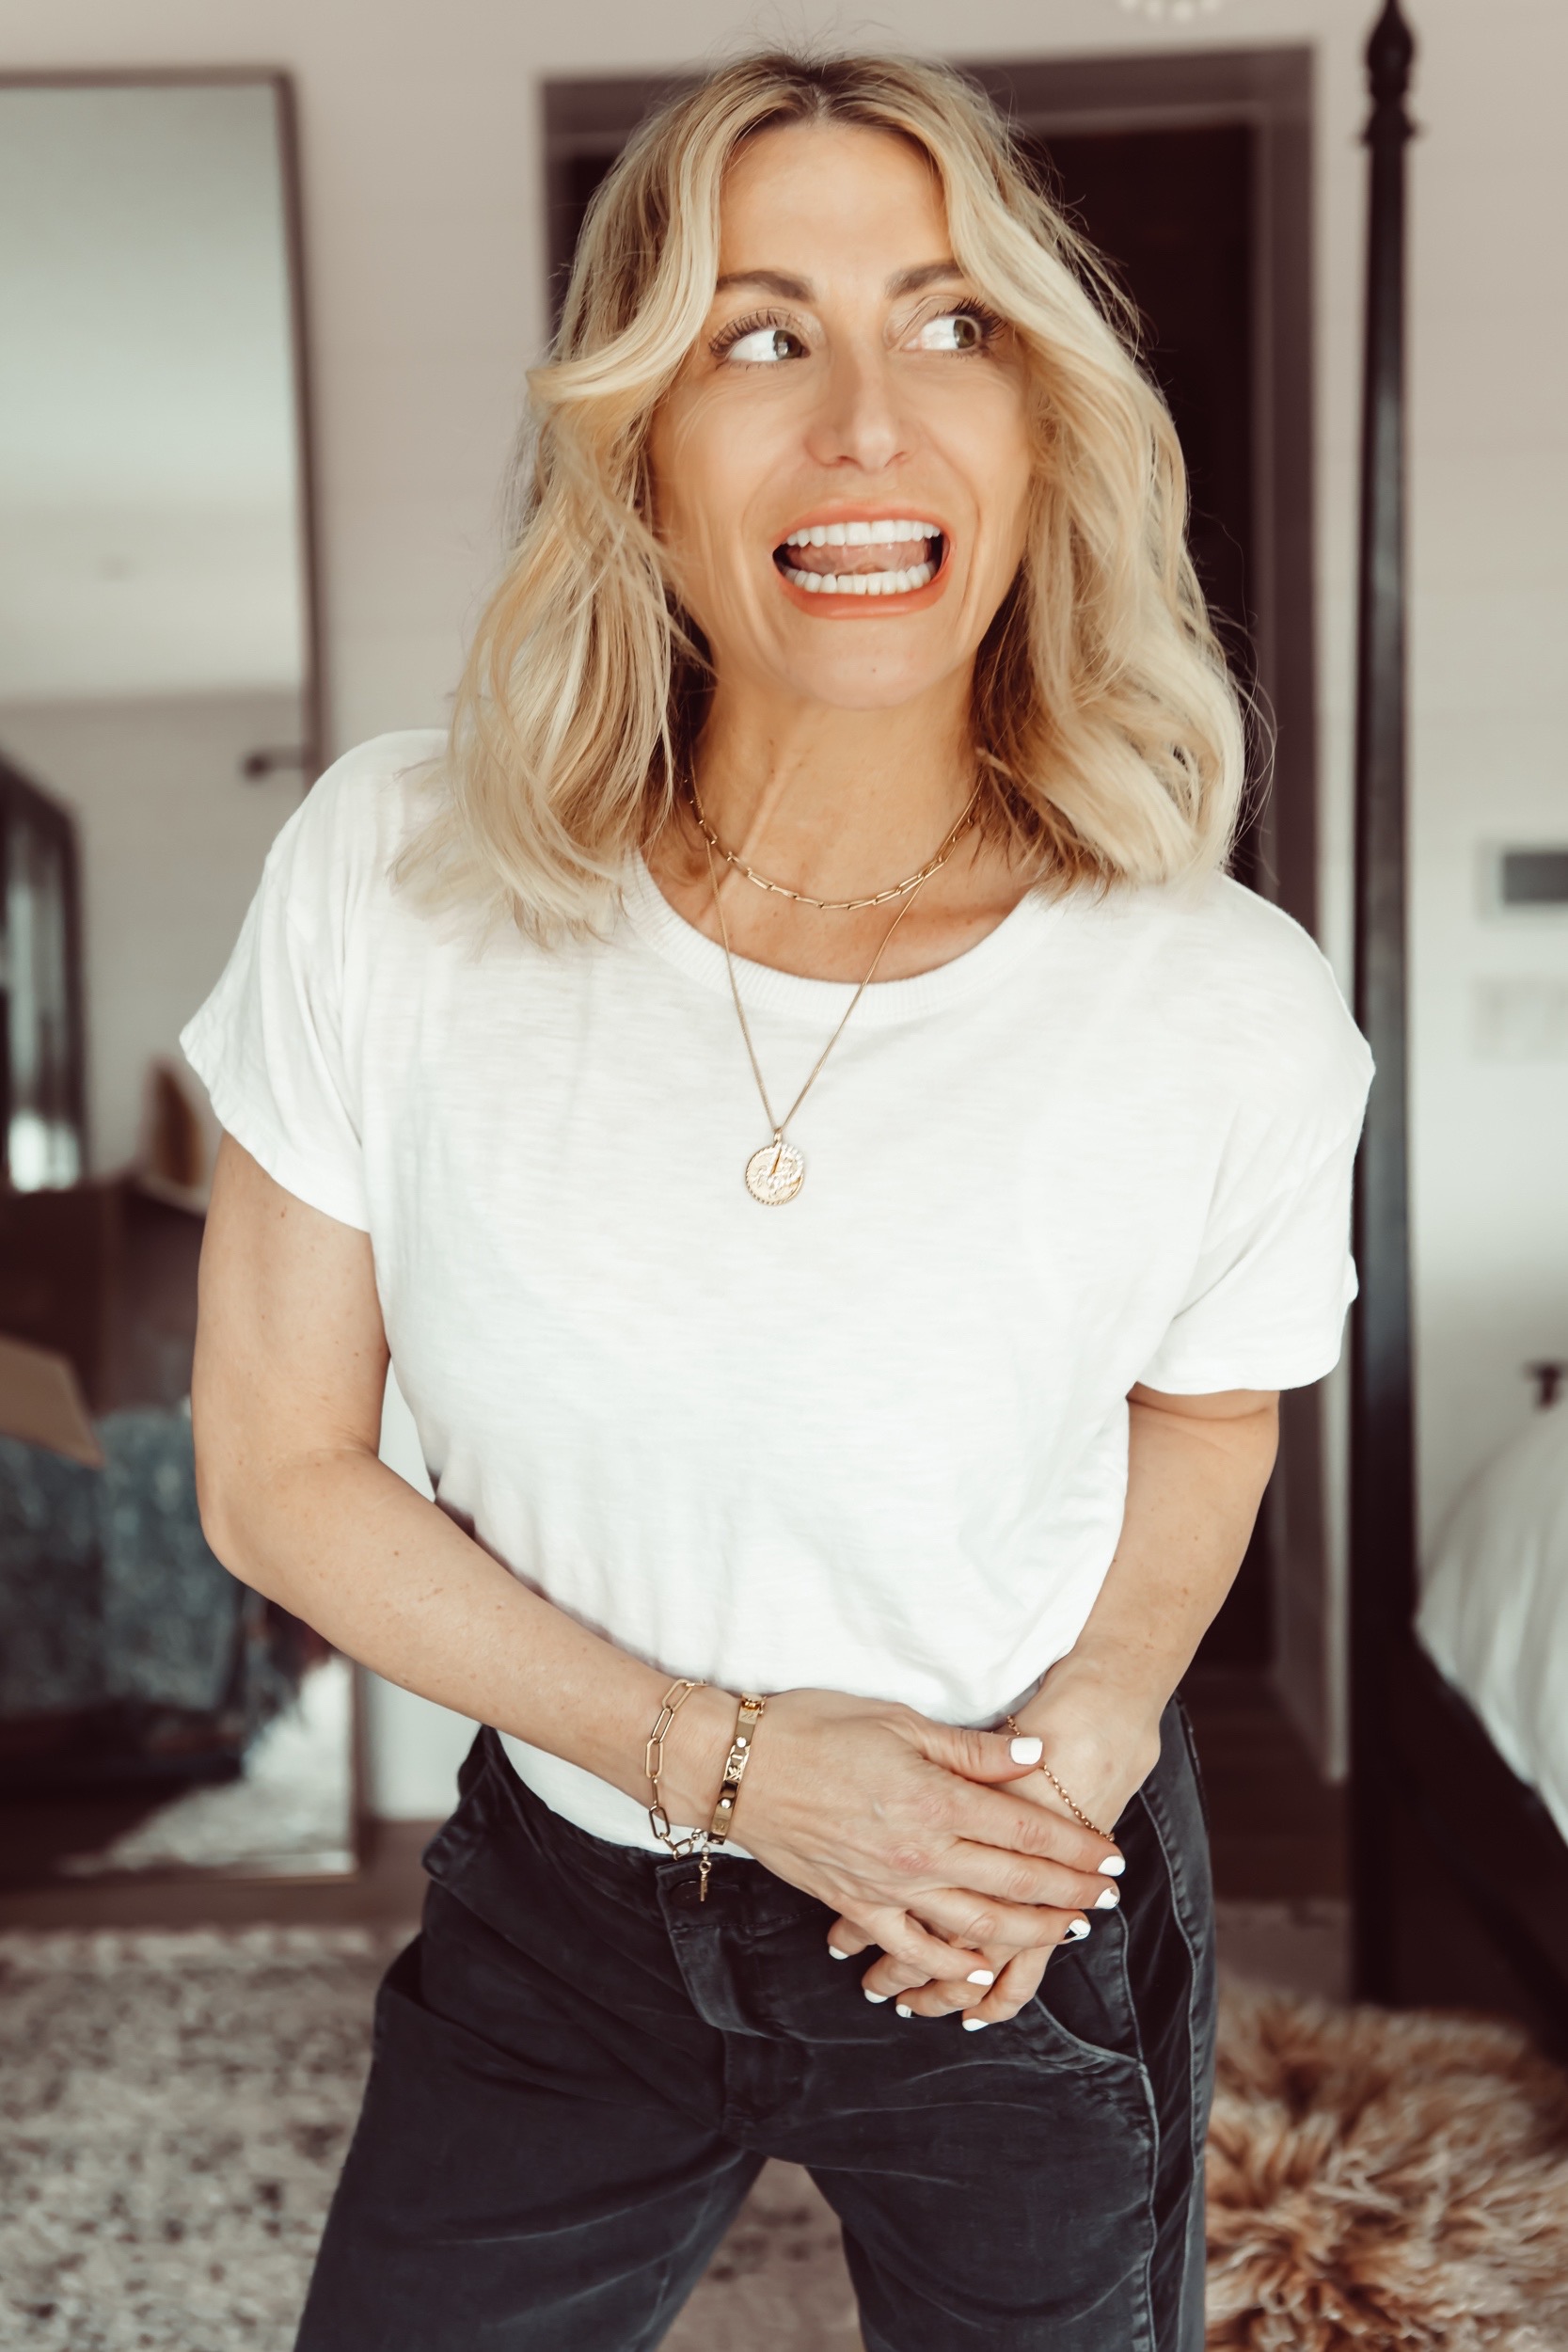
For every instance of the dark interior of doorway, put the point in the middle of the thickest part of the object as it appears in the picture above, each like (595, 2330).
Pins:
(1171, 207)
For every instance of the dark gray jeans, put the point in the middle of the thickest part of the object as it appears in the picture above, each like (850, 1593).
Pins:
(579, 2070)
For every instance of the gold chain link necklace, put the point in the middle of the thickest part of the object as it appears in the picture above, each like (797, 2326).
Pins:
(834, 906)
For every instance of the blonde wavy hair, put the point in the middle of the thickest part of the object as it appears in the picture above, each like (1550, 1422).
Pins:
(1105, 722)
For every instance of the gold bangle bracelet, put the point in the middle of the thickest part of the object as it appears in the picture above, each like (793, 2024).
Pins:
(1076, 1810)
(747, 1715)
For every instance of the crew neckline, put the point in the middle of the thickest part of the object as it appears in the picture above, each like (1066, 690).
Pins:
(792, 996)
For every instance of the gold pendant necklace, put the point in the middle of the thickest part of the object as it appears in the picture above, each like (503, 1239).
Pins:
(775, 1173)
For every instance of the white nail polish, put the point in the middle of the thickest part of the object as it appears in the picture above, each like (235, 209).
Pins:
(981, 1976)
(902, 2010)
(876, 1996)
(834, 1953)
(1113, 1867)
(976, 2024)
(1025, 1751)
(1109, 1900)
(1077, 1929)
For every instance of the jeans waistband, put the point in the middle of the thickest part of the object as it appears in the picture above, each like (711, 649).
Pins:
(631, 1874)
(627, 1873)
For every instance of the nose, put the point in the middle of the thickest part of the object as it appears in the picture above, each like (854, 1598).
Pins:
(860, 422)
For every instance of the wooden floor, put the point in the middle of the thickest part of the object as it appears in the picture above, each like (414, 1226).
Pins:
(1277, 1833)
(386, 1890)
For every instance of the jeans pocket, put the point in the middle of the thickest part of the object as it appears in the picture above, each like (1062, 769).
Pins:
(1082, 2014)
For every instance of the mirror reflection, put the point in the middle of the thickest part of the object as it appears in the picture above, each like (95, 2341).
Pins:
(158, 720)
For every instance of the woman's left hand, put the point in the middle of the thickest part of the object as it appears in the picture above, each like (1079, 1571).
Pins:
(1100, 1748)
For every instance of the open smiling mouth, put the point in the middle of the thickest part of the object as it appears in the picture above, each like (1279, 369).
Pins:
(886, 558)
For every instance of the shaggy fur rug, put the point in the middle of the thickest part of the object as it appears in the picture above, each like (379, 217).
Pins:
(1379, 2180)
(174, 2108)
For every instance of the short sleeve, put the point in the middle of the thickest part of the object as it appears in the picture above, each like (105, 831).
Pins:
(268, 1043)
(1267, 1302)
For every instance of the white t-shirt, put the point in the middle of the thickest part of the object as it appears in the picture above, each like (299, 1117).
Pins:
(874, 1440)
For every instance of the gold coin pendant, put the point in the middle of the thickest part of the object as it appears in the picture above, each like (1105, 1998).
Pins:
(775, 1174)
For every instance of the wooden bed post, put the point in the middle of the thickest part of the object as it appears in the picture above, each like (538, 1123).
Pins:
(1382, 1496)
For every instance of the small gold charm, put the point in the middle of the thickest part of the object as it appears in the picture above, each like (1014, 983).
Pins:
(775, 1174)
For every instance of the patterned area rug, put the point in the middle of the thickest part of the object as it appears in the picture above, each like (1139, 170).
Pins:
(173, 2108)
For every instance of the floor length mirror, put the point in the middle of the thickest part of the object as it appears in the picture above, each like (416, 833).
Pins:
(160, 715)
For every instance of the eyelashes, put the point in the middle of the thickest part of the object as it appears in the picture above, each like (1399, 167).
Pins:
(780, 323)
(755, 323)
(990, 326)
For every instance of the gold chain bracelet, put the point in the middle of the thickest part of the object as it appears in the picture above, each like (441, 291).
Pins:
(1074, 1807)
(659, 1820)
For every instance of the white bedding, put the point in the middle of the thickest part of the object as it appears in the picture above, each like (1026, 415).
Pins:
(1493, 1612)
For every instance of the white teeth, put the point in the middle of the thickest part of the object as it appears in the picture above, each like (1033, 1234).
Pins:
(876, 535)
(861, 584)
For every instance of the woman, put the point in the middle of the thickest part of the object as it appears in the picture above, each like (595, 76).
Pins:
(842, 1177)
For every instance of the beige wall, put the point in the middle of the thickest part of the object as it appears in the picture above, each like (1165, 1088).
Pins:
(1490, 623)
(421, 192)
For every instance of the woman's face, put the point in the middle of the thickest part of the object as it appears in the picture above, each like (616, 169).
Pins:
(842, 469)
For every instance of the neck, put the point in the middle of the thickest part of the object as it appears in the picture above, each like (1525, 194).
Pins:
(837, 804)
(832, 801)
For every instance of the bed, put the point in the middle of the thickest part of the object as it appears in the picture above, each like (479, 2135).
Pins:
(1479, 1735)
(1459, 1812)
(1494, 1609)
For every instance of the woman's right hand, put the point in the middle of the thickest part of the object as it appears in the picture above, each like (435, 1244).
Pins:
(895, 1823)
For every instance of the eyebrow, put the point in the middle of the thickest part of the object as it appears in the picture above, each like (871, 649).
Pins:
(904, 281)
